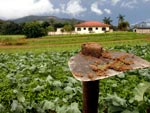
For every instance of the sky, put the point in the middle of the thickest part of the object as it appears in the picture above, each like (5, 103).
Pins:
(134, 10)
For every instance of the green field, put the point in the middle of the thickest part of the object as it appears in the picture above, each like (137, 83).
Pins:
(33, 73)
(43, 83)
(18, 43)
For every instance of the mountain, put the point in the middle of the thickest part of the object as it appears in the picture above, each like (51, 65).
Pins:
(44, 18)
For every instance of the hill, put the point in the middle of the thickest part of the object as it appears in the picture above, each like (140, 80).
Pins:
(44, 18)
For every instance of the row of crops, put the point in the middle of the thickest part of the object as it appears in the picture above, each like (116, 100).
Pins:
(42, 83)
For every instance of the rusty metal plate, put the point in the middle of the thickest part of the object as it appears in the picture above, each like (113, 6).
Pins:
(88, 68)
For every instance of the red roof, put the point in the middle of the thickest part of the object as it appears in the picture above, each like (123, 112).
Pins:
(92, 24)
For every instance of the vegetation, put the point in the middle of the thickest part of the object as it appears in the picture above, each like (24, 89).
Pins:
(7, 28)
(34, 71)
(34, 30)
(33, 83)
(67, 28)
(71, 42)
(50, 28)
(120, 18)
(107, 20)
(122, 24)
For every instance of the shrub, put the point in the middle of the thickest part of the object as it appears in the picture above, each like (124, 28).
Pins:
(10, 28)
(34, 30)
(11, 41)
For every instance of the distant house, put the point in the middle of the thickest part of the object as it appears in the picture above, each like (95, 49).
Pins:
(91, 27)
(60, 31)
(143, 27)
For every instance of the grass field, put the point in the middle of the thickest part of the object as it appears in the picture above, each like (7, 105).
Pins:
(18, 43)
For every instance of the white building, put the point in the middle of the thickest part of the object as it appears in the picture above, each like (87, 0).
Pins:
(143, 27)
(91, 27)
(60, 31)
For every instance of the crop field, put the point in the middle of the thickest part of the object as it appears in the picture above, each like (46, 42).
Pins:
(42, 83)
(18, 43)
(35, 77)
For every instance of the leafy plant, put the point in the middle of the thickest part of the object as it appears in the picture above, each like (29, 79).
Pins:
(43, 83)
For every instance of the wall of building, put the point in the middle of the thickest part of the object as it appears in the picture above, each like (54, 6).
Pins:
(142, 31)
(59, 32)
(87, 30)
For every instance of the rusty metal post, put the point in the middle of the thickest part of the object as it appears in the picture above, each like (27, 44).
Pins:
(91, 88)
(90, 96)
(93, 63)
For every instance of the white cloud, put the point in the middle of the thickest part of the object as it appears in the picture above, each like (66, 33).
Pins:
(129, 4)
(108, 11)
(95, 9)
(73, 8)
(11, 9)
(114, 2)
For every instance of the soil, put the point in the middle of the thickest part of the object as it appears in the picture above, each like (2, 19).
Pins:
(92, 49)
(117, 64)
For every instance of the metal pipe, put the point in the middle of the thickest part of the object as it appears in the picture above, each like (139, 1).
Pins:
(90, 96)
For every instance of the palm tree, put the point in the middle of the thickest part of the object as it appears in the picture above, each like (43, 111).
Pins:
(120, 18)
(107, 20)
(124, 26)
(120, 21)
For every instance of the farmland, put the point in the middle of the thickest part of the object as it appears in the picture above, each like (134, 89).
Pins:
(18, 43)
(33, 75)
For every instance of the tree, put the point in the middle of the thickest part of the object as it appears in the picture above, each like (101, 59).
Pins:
(107, 20)
(45, 24)
(72, 22)
(124, 26)
(10, 28)
(1, 22)
(34, 30)
(50, 28)
(68, 28)
(58, 25)
(120, 18)
(52, 22)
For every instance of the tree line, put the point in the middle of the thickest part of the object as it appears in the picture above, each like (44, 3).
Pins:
(32, 29)
(123, 25)
(37, 29)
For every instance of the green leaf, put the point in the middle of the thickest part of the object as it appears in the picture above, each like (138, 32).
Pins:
(38, 88)
(69, 90)
(21, 98)
(2, 108)
(73, 108)
(49, 78)
(116, 100)
(114, 109)
(16, 107)
(72, 80)
(127, 111)
(15, 91)
(57, 83)
(62, 109)
(140, 90)
(122, 75)
(48, 105)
